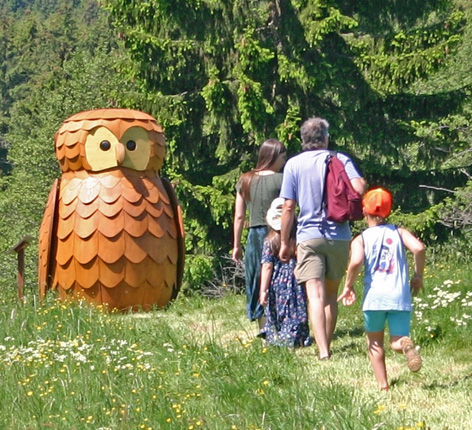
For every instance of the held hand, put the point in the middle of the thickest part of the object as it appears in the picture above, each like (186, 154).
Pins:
(284, 253)
(347, 297)
(416, 284)
(237, 254)
(263, 298)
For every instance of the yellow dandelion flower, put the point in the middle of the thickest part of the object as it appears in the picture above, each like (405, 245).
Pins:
(380, 409)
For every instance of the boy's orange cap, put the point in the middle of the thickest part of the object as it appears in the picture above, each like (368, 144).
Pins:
(378, 202)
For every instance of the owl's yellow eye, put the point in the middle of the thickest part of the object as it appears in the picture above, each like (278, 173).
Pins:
(138, 148)
(105, 145)
(131, 145)
(101, 149)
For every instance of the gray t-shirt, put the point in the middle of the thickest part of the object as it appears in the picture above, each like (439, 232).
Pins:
(303, 181)
(264, 189)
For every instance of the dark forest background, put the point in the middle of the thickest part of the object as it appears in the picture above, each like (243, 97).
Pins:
(393, 78)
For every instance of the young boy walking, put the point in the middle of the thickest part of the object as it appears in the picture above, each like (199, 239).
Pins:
(387, 288)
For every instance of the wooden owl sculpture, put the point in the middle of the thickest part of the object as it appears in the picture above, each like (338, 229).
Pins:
(112, 231)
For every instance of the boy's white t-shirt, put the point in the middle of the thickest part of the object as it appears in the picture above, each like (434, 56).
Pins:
(386, 279)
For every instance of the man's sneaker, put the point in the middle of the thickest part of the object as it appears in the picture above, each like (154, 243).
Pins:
(413, 359)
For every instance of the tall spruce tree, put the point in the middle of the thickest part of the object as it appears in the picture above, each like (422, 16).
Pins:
(392, 78)
(222, 76)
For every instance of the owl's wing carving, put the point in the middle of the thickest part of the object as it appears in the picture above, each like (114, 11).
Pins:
(47, 239)
(179, 223)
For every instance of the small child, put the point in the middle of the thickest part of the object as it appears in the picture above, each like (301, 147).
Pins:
(387, 290)
(286, 320)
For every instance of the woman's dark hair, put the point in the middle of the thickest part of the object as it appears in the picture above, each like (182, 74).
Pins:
(268, 153)
(314, 133)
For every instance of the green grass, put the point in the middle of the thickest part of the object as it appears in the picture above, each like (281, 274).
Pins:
(198, 365)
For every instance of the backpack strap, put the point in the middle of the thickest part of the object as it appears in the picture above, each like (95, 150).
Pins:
(330, 155)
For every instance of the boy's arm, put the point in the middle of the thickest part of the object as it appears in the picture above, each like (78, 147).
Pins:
(266, 275)
(417, 248)
(356, 261)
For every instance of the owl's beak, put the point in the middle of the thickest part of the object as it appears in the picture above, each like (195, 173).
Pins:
(120, 153)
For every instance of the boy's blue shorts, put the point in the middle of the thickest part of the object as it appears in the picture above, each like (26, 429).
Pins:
(398, 322)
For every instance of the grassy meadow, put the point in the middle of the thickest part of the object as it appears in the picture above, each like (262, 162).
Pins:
(198, 365)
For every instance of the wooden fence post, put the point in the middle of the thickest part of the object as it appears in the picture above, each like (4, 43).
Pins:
(19, 248)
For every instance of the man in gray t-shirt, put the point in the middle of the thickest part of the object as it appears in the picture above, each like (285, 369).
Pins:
(322, 245)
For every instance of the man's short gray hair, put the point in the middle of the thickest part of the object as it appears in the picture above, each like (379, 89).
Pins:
(314, 133)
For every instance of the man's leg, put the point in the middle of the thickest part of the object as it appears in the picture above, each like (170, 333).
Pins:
(316, 296)
(337, 255)
(331, 307)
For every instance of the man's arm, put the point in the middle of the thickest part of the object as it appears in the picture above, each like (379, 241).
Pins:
(359, 184)
(357, 181)
(288, 217)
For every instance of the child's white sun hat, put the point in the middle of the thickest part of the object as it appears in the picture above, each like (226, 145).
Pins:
(274, 214)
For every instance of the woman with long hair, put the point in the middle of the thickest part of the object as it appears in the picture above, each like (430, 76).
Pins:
(255, 191)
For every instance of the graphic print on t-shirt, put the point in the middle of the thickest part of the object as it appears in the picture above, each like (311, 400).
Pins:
(387, 258)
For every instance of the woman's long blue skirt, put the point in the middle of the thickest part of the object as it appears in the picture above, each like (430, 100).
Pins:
(252, 265)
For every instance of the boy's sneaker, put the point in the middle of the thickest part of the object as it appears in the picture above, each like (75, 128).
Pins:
(413, 359)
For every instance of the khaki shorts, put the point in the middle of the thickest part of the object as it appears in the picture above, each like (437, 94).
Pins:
(321, 258)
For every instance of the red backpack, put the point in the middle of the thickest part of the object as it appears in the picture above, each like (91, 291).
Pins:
(341, 201)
